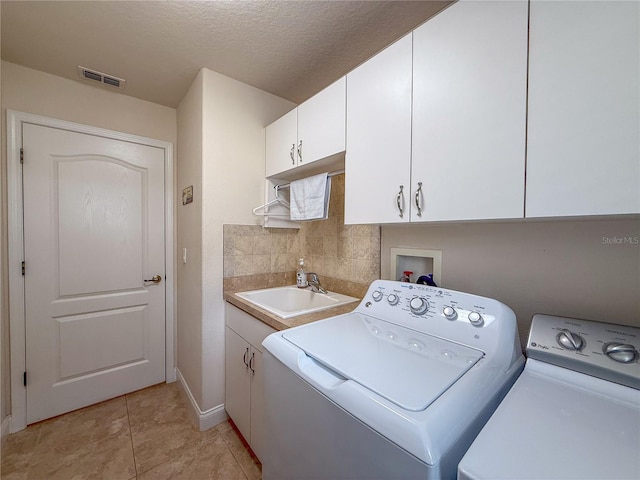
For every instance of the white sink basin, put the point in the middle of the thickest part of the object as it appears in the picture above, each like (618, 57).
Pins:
(291, 301)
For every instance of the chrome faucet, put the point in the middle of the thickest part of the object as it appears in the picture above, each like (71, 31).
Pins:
(314, 283)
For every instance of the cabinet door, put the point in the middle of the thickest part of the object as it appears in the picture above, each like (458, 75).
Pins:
(257, 404)
(238, 381)
(377, 163)
(321, 123)
(469, 112)
(281, 139)
(583, 152)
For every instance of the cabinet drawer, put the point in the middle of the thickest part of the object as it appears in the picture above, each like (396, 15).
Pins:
(248, 327)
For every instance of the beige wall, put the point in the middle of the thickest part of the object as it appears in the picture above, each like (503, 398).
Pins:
(189, 226)
(557, 267)
(36, 92)
(31, 91)
(235, 115)
(232, 183)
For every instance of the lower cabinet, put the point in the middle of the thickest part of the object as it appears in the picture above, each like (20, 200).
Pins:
(244, 380)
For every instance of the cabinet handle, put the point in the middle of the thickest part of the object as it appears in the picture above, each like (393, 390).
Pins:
(418, 192)
(300, 151)
(398, 198)
(244, 357)
(253, 372)
(293, 148)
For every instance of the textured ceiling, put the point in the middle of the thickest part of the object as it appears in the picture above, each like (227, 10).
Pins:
(292, 49)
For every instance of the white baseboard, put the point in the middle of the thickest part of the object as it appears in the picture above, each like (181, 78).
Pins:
(5, 430)
(207, 419)
(171, 375)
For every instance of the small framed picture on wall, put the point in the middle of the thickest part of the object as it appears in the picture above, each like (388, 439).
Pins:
(187, 195)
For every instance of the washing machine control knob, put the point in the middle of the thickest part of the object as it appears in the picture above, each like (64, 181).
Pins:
(449, 313)
(377, 295)
(620, 352)
(569, 340)
(393, 299)
(475, 319)
(419, 305)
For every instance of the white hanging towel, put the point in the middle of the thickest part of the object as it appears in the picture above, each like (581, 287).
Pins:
(309, 197)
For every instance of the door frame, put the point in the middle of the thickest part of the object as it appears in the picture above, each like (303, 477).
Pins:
(15, 210)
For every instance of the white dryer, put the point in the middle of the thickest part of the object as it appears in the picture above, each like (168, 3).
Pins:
(398, 388)
(574, 413)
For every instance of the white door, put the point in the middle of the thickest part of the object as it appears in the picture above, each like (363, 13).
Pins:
(583, 143)
(237, 400)
(378, 158)
(321, 123)
(469, 113)
(281, 139)
(93, 233)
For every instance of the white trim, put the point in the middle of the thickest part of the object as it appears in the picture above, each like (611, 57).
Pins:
(5, 429)
(204, 419)
(416, 253)
(16, 248)
(171, 313)
(16, 281)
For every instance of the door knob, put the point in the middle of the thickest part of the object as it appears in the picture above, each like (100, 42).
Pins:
(155, 279)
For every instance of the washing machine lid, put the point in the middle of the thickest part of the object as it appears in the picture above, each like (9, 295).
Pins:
(409, 368)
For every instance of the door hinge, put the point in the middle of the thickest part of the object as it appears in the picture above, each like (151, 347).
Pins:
(24, 379)
(23, 268)
(22, 155)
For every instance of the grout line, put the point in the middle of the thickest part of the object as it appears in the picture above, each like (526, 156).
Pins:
(133, 451)
(246, 449)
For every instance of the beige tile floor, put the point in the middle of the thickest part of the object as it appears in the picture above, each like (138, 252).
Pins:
(145, 435)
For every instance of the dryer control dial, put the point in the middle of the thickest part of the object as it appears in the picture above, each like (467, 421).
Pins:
(377, 295)
(449, 313)
(419, 305)
(569, 340)
(393, 299)
(620, 352)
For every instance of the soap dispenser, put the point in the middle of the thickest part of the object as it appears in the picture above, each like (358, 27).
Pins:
(301, 275)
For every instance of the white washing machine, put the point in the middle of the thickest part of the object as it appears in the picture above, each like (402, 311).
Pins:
(396, 389)
(574, 413)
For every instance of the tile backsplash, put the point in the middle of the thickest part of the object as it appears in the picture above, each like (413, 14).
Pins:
(346, 257)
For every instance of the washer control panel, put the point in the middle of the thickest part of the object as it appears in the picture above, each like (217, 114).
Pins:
(603, 350)
(479, 322)
(430, 302)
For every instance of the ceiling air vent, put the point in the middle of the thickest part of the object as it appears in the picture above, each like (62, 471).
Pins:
(101, 77)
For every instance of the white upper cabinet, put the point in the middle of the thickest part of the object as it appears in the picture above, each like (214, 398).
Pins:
(469, 113)
(377, 163)
(321, 123)
(313, 131)
(281, 139)
(584, 109)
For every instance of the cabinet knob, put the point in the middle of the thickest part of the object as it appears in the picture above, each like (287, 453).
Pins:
(400, 198)
(244, 358)
(253, 355)
(300, 151)
(293, 149)
(418, 192)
